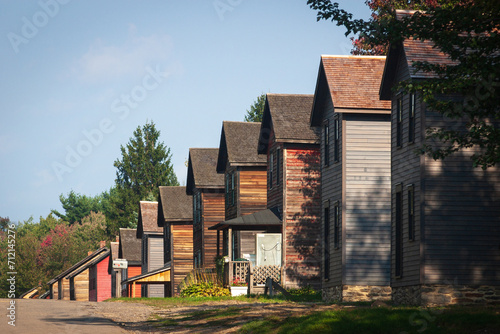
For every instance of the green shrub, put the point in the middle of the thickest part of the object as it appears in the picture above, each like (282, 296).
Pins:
(203, 289)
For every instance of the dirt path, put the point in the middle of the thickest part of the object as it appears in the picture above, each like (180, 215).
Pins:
(214, 317)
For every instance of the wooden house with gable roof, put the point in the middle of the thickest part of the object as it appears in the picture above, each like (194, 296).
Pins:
(245, 179)
(355, 177)
(291, 148)
(175, 215)
(151, 246)
(207, 189)
(129, 248)
(445, 213)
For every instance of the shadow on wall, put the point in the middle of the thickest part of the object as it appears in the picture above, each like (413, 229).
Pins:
(303, 220)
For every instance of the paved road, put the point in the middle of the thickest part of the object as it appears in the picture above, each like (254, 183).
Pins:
(54, 317)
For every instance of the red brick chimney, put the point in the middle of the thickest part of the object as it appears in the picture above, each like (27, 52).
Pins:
(102, 244)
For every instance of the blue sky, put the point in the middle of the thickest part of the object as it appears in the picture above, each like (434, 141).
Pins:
(79, 76)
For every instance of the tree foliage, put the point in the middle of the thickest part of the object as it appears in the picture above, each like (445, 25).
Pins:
(468, 33)
(77, 206)
(256, 109)
(145, 165)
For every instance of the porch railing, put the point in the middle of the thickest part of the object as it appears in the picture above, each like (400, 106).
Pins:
(241, 272)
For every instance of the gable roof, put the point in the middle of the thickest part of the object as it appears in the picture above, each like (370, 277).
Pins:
(352, 83)
(114, 249)
(287, 116)
(148, 218)
(238, 145)
(202, 173)
(91, 263)
(412, 50)
(174, 205)
(78, 265)
(130, 246)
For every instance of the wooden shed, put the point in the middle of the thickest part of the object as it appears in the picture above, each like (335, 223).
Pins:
(175, 216)
(355, 177)
(151, 246)
(129, 248)
(245, 177)
(445, 213)
(207, 189)
(91, 282)
(64, 285)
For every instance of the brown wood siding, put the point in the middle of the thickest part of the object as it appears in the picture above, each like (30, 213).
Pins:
(462, 215)
(252, 190)
(182, 249)
(367, 200)
(212, 214)
(65, 289)
(55, 290)
(301, 216)
(405, 170)
(81, 286)
(331, 190)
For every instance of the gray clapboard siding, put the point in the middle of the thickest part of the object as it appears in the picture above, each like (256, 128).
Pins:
(155, 261)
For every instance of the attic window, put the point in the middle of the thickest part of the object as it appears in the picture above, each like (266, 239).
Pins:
(411, 118)
(336, 137)
(399, 121)
(326, 134)
(271, 169)
(278, 165)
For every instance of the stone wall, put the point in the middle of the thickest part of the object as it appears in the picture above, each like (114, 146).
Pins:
(356, 293)
(442, 294)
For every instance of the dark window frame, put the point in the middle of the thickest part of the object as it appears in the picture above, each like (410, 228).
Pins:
(271, 169)
(326, 240)
(411, 118)
(398, 268)
(278, 165)
(326, 138)
(399, 121)
(336, 139)
(232, 189)
(411, 212)
(336, 225)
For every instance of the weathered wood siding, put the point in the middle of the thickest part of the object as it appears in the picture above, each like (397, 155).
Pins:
(212, 213)
(65, 289)
(252, 190)
(367, 199)
(81, 286)
(197, 229)
(55, 290)
(155, 261)
(182, 253)
(331, 191)
(301, 237)
(462, 218)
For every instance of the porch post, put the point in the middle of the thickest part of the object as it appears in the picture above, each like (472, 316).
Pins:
(133, 289)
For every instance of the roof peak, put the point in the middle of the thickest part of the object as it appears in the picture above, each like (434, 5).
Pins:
(353, 56)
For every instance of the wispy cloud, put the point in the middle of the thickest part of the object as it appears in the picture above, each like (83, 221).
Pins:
(43, 177)
(104, 61)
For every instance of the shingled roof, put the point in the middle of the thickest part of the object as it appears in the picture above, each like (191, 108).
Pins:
(148, 218)
(174, 205)
(238, 145)
(129, 246)
(352, 83)
(202, 171)
(288, 116)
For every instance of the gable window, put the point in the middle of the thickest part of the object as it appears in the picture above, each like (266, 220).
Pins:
(326, 133)
(336, 137)
(399, 122)
(227, 190)
(271, 169)
(326, 247)
(411, 118)
(197, 208)
(278, 166)
(399, 231)
(336, 225)
(411, 212)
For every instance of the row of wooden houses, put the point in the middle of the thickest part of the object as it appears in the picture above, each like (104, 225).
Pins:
(327, 191)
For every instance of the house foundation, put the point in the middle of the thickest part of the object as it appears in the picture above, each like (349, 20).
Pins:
(445, 294)
(356, 293)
